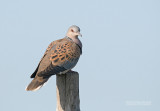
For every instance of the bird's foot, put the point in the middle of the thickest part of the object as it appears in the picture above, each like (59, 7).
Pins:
(71, 71)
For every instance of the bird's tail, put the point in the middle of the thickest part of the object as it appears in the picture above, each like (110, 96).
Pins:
(35, 84)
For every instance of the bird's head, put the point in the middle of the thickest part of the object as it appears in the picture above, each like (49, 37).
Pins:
(74, 32)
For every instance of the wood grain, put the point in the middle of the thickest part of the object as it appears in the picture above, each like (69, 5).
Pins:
(68, 92)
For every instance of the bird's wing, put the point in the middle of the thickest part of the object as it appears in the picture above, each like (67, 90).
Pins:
(62, 57)
(51, 45)
(66, 54)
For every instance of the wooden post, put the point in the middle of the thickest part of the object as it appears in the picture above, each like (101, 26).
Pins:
(68, 92)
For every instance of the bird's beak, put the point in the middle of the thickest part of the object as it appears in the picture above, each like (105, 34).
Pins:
(79, 34)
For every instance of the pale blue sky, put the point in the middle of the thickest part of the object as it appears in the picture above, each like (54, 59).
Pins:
(120, 65)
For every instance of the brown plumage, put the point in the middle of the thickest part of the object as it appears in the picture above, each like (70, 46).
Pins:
(61, 56)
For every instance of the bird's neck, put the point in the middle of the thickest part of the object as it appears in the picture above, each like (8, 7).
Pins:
(70, 35)
(75, 40)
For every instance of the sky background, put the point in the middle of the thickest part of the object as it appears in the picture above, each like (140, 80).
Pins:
(120, 66)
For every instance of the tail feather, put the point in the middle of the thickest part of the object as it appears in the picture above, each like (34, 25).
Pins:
(35, 84)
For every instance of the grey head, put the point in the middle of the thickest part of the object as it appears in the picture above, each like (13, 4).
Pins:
(73, 32)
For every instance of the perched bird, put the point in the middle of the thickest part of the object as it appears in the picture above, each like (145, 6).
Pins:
(60, 57)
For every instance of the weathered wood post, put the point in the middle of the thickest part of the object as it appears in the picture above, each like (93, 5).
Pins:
(68, 92)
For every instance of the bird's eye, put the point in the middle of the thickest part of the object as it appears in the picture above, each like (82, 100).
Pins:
(72, 30)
